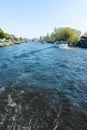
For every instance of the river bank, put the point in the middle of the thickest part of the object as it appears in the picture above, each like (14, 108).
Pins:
(8, 43)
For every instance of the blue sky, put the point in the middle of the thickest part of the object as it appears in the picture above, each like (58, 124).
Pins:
(34, 18)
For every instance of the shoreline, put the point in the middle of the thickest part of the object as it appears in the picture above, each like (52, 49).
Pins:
(8, 43)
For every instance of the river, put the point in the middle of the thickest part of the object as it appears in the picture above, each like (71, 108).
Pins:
(43, 87)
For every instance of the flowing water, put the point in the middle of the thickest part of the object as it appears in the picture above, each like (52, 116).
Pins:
(43, 87)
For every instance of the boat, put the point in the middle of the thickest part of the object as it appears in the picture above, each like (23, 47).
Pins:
(61, 44)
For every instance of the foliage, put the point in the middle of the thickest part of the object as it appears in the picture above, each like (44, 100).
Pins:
(2, 34)
(68, 34)
(15, 38)
(72, 36)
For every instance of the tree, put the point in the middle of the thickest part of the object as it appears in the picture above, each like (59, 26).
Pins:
(72, 36)
(2, 34)
(53, 37)
(15, 38)
(47, 38)
(68, 34)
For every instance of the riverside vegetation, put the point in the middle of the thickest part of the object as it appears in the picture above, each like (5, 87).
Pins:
(9, 39)
(72, 36)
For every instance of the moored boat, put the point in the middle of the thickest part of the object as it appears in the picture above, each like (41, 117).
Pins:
(61, 44)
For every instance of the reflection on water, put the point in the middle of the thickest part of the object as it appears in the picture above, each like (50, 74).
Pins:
(43, 87)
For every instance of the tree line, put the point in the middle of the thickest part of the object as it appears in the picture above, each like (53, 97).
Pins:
(72, 36)
(4, 35)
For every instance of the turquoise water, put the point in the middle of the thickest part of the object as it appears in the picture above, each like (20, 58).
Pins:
(48, 86)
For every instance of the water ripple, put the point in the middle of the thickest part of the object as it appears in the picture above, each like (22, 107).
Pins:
(43, 87)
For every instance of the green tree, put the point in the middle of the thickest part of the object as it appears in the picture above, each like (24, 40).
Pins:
(2, 34)
(68, 34)
(53, 37)
(15, 38)
(72, 36)
(47, 38)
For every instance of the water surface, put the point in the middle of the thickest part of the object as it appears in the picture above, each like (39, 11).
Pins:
(46, 86)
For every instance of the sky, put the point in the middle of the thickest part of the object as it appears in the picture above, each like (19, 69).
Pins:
(35, 18)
